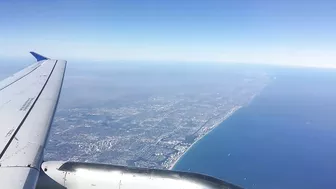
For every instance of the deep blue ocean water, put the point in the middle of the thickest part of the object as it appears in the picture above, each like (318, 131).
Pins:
(285, 138)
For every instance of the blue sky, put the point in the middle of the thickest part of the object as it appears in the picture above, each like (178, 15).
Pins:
(250, 31)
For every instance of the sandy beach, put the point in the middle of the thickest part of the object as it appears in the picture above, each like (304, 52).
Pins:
(231, 112)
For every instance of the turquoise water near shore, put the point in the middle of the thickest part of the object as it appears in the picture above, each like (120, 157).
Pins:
(285, 138)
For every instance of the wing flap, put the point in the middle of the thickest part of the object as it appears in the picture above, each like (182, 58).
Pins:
(16, 177)
(19, 75)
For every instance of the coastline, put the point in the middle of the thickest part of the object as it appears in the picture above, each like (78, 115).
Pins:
(179, 156)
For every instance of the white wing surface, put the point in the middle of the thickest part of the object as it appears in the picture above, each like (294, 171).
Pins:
(28, 100)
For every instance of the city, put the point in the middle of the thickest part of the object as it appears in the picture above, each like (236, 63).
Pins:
(151, 129)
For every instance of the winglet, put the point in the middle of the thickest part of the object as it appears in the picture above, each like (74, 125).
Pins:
(38, 56)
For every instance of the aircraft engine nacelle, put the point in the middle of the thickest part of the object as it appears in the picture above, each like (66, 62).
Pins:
(75, 175)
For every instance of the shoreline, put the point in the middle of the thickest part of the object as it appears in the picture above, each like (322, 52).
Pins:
(229, 114)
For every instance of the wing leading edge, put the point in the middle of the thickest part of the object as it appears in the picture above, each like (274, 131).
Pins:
(28, 100)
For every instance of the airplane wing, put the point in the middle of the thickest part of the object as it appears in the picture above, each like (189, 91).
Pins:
(28, 101)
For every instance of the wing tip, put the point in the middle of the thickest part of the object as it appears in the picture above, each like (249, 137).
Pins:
(38, 57)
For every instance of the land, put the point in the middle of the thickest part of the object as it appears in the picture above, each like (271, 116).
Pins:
(177, 157)
(144, 117)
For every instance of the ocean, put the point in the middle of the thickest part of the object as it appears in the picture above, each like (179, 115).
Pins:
(285, 138)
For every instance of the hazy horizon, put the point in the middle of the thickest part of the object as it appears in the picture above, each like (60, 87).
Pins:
(296, 33)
